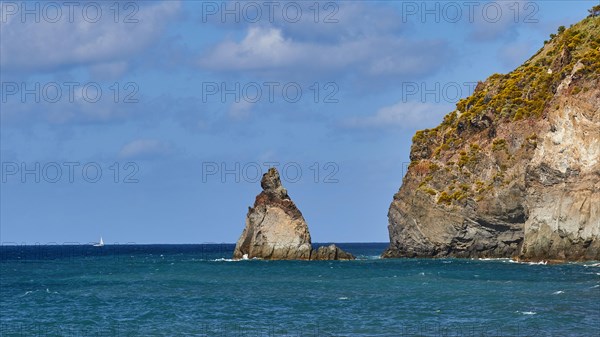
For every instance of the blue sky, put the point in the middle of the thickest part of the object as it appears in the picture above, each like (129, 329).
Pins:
(150, 122)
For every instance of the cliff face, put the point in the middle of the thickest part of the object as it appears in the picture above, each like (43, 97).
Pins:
(276, 230)
(514, 171)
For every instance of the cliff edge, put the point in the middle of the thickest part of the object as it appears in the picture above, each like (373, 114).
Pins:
(514, 171)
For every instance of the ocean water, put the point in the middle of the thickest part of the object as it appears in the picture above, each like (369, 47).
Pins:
(196, 290)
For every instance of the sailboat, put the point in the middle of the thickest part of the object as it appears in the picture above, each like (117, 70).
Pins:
(99, 244)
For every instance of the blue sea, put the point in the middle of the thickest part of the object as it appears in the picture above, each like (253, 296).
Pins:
(196, 290)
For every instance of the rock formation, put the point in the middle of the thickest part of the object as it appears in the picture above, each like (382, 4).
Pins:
(331, 252)
(276, 230)
(514, 171)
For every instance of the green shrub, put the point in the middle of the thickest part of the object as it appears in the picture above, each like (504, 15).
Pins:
(499, 144)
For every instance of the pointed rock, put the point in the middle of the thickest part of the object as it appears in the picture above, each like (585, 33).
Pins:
(276, 230)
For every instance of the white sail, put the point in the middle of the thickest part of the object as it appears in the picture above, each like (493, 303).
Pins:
(99, 244)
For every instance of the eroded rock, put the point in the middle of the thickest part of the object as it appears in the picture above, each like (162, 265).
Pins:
(529, 190)
(276, 230)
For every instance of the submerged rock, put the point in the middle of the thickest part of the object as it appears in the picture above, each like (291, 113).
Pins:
(276, 230)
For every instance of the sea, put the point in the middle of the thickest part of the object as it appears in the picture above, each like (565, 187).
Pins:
(197, 290)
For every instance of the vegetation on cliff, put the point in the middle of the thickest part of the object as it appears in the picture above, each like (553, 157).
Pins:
(514, 170)
(454, 148)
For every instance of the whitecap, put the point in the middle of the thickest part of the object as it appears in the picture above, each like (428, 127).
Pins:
(368, 257)
(526, 312)
(27, 293)
(537, 263)
(558, 292)
(422, 274)
(499, 259)
(342, 298)
(529, 263)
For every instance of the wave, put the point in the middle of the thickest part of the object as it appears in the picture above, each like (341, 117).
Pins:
(543, 263)
(223, 260)
(492, 259)
(28, 292)
(526, 312)
(368, 257)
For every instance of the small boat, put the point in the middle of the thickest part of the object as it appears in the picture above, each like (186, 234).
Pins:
(99, 244)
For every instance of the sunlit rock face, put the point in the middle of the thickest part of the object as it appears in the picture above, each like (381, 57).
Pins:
(276, 230)
(514, 171)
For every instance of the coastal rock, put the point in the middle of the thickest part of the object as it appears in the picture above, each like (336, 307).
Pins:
(276, 230)
(331, 252)
(528, 190)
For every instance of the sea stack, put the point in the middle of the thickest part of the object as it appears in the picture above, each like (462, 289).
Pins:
(276, 230)
(514, 170)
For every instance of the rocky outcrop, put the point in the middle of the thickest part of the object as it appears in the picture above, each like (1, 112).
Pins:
(331, 252)
(514, 171)
(276, 230)
(563, 183)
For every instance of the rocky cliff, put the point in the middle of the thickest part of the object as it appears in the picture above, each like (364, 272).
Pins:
(276, 230)
(514, 171)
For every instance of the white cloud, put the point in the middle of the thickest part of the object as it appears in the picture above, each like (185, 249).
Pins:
(335, 21)
(410, 115)
(367, 40)
(268, 49)
(29, 46)
(108, 70)
(240, 111)
(144, 149)
(60, 104)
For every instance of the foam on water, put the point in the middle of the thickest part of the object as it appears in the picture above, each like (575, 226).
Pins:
(368, 257)
(224, 260)
(492, 259)
(540, 263)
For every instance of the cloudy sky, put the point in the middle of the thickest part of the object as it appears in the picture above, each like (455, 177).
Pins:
(151, 122)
